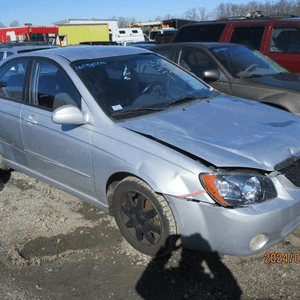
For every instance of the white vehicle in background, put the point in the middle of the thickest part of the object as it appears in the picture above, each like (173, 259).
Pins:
(126, 36)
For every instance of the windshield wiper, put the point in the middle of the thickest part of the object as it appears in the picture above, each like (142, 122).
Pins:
(138, 109)
(185, 99)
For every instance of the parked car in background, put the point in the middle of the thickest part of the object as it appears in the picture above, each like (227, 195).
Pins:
(239, 71)
(275, 36)
(139, 137)
(8, 49)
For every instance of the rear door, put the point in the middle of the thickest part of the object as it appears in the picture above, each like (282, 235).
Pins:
(59, 152)
(12, 97)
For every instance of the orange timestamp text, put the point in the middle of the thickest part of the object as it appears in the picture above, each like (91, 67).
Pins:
(279, 258)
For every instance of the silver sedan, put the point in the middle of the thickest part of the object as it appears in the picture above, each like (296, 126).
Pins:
(142, 139)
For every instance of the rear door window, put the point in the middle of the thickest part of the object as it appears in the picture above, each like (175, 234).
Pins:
(12, 76)
(200, 33)
(250, 36)
(285, 39)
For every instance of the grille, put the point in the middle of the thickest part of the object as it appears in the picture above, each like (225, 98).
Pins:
(292, 173)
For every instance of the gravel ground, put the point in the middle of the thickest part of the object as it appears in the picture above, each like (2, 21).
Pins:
(54, 246)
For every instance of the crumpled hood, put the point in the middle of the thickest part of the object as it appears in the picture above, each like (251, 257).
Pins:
(226, 131)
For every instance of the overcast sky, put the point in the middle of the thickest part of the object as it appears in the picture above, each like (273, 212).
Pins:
(44, 12)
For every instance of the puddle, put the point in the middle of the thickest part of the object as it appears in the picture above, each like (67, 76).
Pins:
(90, 212)
(81, 239)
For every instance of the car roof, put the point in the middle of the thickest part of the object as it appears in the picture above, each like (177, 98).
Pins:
(82, 52)
(24, 47)
(243, 19)
(29, 48)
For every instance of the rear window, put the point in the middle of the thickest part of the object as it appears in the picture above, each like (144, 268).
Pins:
(37, 37)
(200, 33)
(250, 36)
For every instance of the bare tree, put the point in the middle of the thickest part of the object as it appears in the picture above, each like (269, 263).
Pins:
(2, 25)
(202, 14)
(123, 22)
(270, 7)
(169, 16)
(220, 11)
(15, 23)
(252, 7)
(227, 10)
(191, 14)
(132, 20)
(297, 8)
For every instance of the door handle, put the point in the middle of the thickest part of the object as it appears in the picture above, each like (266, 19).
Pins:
(31, 119)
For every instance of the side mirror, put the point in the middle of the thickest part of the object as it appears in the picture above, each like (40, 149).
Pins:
(68, 115)
(211, 75)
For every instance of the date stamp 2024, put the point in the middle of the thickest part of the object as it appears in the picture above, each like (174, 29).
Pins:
(280, 258)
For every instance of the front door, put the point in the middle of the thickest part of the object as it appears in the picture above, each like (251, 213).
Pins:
(60, 152)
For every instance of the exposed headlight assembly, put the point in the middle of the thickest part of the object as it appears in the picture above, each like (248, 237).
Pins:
(238, 189)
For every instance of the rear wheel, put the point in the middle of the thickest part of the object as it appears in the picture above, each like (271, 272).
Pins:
(2, 166)
(144, 217)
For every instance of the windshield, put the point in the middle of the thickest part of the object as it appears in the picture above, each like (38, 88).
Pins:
(144, 83)
(243, 62)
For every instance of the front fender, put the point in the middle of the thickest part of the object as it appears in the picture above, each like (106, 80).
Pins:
(169, 173)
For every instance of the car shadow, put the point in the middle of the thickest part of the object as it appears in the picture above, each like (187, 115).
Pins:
(196, 275)
(4, 177)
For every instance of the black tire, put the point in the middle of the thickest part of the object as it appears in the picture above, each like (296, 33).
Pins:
(2, 166)
(144, 217)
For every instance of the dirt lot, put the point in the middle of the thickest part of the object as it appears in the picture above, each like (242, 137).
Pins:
(54, 246)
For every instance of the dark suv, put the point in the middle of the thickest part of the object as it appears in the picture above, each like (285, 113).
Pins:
(278, 38)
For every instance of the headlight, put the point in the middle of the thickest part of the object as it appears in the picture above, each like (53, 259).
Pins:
(238, 189)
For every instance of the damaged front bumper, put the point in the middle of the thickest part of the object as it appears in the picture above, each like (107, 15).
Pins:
(237, 231)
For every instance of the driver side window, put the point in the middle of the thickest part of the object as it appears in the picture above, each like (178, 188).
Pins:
(195, 61)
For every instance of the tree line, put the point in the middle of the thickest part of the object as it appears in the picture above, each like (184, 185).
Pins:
(224, 10)
(229, 10)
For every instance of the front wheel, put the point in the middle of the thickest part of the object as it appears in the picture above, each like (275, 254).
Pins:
(144, 217)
